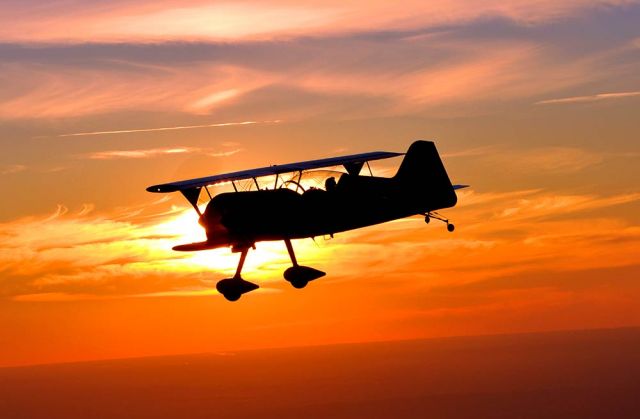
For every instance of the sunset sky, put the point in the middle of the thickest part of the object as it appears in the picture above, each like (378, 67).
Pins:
(536, 104)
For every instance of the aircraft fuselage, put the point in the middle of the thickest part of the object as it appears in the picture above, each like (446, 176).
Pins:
(243, 218)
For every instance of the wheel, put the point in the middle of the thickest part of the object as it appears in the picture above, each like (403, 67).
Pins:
(299, 283)
(232, 296)
(450, 227)
(427, 219)
(230, 289)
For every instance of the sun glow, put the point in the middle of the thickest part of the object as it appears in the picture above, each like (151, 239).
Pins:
(266, 262)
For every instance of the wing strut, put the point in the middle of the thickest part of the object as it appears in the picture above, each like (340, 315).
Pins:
(353, 168)
(192, 196)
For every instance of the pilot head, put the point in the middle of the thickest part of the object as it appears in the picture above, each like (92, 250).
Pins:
(330, 184)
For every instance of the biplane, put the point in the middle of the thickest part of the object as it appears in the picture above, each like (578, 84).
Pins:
(288, 208)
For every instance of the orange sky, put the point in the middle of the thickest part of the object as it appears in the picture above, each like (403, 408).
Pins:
(534, 104)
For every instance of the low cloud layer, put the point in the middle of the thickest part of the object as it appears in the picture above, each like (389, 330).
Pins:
(500, 233)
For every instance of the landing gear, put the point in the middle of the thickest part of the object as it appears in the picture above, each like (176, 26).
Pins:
(233, 288)
(428, 216)
(299, 276)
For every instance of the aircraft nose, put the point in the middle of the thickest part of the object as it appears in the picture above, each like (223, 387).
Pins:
(212, 223)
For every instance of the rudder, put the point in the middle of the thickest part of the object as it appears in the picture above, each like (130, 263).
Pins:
(423, 175)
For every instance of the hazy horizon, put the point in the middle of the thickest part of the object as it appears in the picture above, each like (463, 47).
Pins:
(323, 345)
(555, 375)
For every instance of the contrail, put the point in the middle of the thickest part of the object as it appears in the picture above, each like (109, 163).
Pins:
(129, 131)
(590, 98)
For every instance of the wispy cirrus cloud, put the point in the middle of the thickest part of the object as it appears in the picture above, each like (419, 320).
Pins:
(12, 168)
(551, 205)
(548, 160)
(471, 152)
(156, 152)
(589, 98)
(60, 90)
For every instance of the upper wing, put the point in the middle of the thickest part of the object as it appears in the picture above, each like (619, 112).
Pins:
(347, 161)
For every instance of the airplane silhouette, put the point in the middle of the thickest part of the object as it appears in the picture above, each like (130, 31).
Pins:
(240, 219)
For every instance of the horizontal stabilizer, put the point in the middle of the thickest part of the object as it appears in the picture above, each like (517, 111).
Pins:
(456, 187)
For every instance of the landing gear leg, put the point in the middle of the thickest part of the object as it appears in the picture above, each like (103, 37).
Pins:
(299, 276)
(429, 215)
(233, 288)
(243, 257)
(292, 254)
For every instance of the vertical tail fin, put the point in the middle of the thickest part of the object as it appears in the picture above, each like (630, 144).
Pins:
(423, 175)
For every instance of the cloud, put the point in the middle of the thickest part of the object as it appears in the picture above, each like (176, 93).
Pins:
(128, 253)
(12, 168)
(151, 21)
(498, 233)
(470, 152)
(217, 21)
(39, 256)
(155, 152)
(459, 67)
(551, 205)
(469, 197)
(589, 98)
(547, 160)
(209, 101)
(60, 90)
(137, 154)
(442, 77)
(57, 296)
(125, 254)
(552, 160)
(463, 74)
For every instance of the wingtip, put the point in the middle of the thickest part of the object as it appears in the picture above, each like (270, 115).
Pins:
(160, 189)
